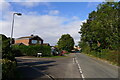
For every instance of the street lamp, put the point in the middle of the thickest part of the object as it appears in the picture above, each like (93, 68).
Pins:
(19, 14)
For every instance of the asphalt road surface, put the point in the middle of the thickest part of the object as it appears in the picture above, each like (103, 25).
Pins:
(76, 66)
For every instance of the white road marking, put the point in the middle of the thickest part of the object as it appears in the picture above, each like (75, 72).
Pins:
(79, 68)
(83, 76)
(73, 61)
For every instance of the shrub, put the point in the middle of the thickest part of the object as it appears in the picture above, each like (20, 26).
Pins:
(32, 50)
(110, 55)
(8, 68)
(8, 58)
(105, 53)
(113, 56)
(85, 47)
(6, 49)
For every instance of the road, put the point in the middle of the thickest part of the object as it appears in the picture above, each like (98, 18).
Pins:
(76, 66)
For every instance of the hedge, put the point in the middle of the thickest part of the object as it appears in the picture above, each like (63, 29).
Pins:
(109, 55)
(32, 50)
(8, 58)
(8, 68)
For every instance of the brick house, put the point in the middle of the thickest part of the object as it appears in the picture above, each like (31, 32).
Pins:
(46, 44)
(29, 40)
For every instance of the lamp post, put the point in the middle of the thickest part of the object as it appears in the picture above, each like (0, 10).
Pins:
(19, 14)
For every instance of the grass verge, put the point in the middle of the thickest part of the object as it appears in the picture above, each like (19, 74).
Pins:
(102, 59)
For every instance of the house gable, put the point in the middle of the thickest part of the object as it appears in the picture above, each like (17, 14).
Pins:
(29, 40)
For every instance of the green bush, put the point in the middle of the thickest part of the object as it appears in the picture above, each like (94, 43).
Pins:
(6, 49)
(110, 55)
(113, 56)
(85, 48)
(32, 50)
(104, 53)
(8, 68)
(8, 58)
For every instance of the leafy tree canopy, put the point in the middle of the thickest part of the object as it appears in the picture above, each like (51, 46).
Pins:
(6, 49)
(66, 42)
(102, 27)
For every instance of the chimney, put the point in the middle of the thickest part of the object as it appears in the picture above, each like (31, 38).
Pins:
(32, 35)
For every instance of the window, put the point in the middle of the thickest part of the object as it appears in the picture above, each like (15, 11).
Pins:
(40, 42)
(34, 41)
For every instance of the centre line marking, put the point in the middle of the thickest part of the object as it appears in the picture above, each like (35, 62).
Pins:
(79, 68)
(73, 60)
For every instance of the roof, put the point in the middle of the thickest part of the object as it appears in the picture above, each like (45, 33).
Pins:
(28, 37)
(46, 44)
(18, 44)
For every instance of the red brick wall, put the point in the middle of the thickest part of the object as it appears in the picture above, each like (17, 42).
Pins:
(24, 41)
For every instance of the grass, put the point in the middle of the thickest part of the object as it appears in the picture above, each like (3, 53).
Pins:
(103, 59)
(67, 53)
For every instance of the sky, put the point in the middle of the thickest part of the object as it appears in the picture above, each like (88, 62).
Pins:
(49, 20)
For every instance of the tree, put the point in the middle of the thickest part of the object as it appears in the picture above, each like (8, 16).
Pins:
(8, 58)
(66, 42)
(6, 49)
(102, 27)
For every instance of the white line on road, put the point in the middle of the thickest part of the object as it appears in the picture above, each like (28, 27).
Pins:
(79, 68)
(83, 76)
(73, 61)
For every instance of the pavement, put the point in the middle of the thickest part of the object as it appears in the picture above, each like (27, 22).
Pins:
(75, 66)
